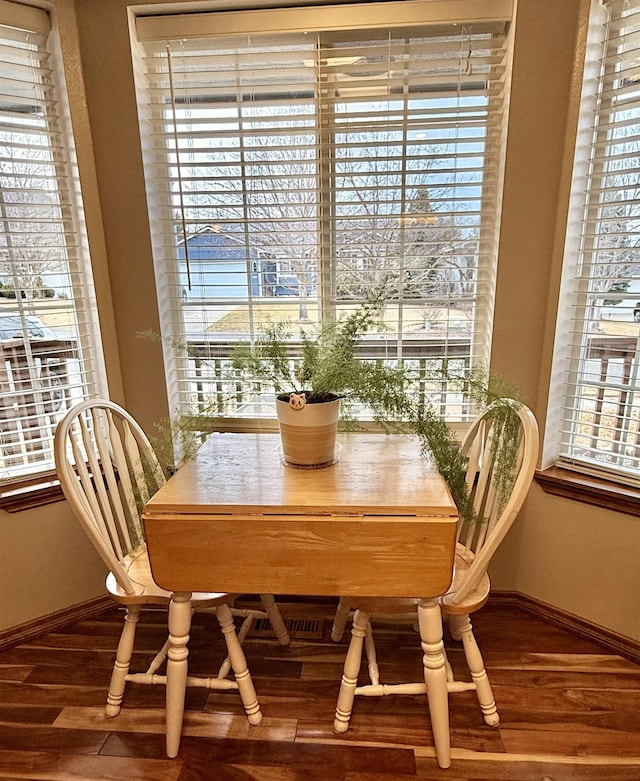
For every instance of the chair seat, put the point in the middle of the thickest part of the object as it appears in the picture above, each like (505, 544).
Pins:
(147, 591)
(383, 605)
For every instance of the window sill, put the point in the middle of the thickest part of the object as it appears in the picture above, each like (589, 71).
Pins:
(591, 490)
(29, 492)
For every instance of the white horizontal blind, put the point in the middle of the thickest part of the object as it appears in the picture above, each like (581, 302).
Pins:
(48, 348)
(294, 175)
(600, 428)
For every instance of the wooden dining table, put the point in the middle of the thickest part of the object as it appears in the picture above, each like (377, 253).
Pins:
(379, 522)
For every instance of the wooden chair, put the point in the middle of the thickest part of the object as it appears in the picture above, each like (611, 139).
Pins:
(469, 591)
(108, 470)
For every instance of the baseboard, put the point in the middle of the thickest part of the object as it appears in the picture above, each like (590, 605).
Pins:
(52, 621)
(612, 641)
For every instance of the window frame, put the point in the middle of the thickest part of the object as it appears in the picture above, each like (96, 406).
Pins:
(409, 14)
(564, 471)
(38, 485)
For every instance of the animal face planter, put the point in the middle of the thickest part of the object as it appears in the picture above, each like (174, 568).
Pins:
(307, 430)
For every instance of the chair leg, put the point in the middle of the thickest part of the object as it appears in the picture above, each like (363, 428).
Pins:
(461, 625)
(349, 681)
(123, 660)
(239, 666)
(448, 667)
(275, 618)
(372, 657)
(340, 620)
(225, 667)
(177, 666)
(454, 627)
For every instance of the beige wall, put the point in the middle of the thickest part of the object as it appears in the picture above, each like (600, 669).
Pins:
(46, 564)
(576, 557)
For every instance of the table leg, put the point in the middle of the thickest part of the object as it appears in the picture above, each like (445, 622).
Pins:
(179, 626)
(435, 676)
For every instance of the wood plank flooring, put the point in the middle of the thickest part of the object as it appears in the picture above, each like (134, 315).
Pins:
(569, 710)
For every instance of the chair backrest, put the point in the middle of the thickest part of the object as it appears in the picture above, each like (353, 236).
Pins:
(496, 501)
(107, 470)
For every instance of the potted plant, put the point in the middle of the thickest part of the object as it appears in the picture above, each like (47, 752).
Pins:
(320, 388)
(329, 376)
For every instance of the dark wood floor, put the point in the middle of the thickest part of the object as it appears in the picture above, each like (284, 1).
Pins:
(569, 710)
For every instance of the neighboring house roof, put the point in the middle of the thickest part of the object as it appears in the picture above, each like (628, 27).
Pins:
(212, 243)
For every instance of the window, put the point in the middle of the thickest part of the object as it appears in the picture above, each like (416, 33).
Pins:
(298, 162)
(47, 311)
(600, 321)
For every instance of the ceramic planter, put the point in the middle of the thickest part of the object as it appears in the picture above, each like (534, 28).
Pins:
(308, 433)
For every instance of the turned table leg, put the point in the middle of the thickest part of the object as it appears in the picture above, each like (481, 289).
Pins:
(435, 676)
(179, 626)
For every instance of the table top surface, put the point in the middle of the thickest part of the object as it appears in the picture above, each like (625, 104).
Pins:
(375, 474)
(379, 522)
